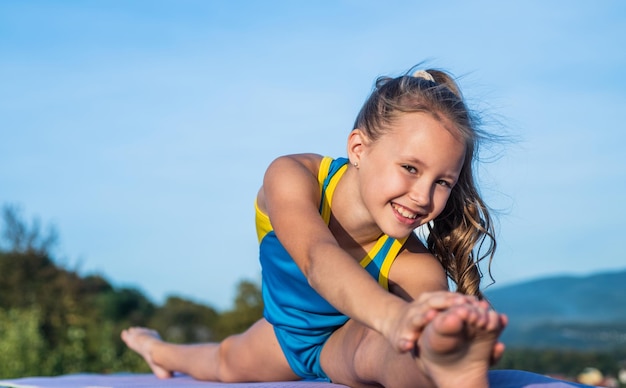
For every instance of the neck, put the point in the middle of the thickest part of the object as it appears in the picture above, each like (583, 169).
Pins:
(351, 223)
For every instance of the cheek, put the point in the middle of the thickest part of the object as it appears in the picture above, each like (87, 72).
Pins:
(385, 183)
(441, 199)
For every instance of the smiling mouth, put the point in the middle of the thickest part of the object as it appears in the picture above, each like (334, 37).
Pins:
(404, 212)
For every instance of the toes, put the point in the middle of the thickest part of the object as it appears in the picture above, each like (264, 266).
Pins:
(450, 323)
(498, 352)
(160, 372)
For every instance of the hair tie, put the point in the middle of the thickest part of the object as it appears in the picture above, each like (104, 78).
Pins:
(424, 74)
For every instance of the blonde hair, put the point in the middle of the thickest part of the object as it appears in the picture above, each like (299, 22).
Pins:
(463, 234)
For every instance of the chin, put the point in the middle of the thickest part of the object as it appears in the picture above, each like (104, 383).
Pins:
(399, 235)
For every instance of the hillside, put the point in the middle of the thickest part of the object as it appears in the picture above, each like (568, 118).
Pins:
(584, 312)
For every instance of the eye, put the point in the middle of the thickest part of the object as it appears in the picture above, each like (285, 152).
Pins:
(444, 183)
(409, 168)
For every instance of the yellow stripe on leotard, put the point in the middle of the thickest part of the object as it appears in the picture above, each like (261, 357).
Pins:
(330, 188)
(373, 252)
(263, 224)
(323, 171)
(390, 256)
(383, 278)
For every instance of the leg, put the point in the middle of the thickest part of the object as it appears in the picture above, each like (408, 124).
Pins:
(359, 357)
(254, 355)
(456, 346)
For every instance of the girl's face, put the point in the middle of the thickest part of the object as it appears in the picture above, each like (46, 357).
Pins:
(406, 176)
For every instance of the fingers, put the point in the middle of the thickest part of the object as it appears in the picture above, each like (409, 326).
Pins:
(416, 317)
(441, 300)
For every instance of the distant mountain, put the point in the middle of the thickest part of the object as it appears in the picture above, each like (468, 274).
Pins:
(598, 298)
(566, 311)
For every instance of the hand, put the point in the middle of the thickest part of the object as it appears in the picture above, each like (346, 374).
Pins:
(405, 326)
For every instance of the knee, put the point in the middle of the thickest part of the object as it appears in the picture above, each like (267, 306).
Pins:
(368, 352)
(352, 355)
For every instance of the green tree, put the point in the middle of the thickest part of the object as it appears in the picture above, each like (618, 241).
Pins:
(125, 305)
(562, 361)
(18, 236)
(247, 310)
(54, 321)
(22, 346)
(183, 321)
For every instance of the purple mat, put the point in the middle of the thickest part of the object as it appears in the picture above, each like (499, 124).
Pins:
(145, 381)
(497, 379)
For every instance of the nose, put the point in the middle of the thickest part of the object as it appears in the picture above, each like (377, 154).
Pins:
(421, 193)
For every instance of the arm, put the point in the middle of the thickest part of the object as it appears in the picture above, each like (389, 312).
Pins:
(291, 197)
(416, 271)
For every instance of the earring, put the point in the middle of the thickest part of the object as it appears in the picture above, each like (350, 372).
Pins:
(355, 164)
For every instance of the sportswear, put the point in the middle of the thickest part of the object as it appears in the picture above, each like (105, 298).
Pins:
(301, 318)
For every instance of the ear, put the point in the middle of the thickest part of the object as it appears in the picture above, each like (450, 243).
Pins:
(356, 145)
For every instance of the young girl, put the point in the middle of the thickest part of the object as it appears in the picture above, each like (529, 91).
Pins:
(351, 294)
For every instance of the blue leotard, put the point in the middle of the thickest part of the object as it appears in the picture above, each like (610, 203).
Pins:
(302, 319)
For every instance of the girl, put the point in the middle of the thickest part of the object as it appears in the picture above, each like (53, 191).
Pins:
(351, 294)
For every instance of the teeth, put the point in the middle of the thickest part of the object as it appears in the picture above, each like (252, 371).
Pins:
(404, 212)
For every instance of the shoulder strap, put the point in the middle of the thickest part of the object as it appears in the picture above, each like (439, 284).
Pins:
(329, 175)
(379, 259)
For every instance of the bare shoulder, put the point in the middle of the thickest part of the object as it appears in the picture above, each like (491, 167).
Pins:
(290, 172)
(415, 271)
(310, 162)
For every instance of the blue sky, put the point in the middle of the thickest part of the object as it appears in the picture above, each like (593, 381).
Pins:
(141, 130)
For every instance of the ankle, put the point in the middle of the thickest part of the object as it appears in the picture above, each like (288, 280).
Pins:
(151, 349)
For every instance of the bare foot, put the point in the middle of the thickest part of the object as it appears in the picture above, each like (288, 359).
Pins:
(459, 345)
(141, 340)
